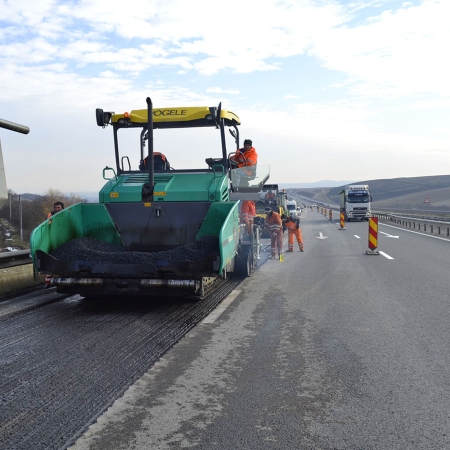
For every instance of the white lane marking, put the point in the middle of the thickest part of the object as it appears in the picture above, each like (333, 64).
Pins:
(385, 255)
(321, 236)
(389, 235)
(356, 236)
(213, 315)
(415, 232)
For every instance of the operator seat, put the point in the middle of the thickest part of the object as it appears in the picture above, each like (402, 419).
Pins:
(160, 162)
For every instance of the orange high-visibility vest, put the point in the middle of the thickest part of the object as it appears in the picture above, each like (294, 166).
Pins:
(248, 211)
(244, 159)
(292, 224)
(274, 222)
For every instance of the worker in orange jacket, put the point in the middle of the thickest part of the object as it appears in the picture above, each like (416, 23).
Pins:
(293, 226)
(248, 213)
(275, 224)
(244, 161)
(57, 207)
(270, 198)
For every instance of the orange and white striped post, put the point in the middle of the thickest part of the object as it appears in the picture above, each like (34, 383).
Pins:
(330, 214)
(373, 236)
(342, 221)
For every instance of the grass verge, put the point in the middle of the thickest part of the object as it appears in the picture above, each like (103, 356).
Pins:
(14, 279)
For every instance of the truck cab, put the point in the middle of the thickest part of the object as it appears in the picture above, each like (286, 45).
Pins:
(355, 201)
(271, 195)
(293, 208)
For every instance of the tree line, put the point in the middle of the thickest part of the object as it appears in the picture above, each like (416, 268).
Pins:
(35, 209)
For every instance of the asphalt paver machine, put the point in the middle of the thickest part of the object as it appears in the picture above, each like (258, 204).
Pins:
(155, 230)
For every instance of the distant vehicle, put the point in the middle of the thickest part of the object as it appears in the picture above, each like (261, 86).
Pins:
(355, 202)
(278, 204)
(293, 209)
(314, 205)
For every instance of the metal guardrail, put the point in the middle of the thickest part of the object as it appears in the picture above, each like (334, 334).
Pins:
(435, 227)
(442, 214)
(13, 259)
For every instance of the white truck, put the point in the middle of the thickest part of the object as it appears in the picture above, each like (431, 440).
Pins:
(355, 202)
(293, 208)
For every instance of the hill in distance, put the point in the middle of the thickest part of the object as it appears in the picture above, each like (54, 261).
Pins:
(396, 192)
(323, 183)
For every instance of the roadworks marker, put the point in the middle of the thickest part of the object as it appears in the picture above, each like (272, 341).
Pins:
(342, 221)
(373, 237)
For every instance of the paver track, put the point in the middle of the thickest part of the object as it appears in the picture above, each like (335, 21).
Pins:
(64, 363)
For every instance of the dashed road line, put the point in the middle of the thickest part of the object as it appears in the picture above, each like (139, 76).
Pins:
(385, 255)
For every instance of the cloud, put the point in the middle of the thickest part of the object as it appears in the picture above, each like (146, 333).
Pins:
(396, 53)
(326, 77)
(380, 53)
(218, 90)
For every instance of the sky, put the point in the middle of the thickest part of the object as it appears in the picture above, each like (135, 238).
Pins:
(325, 89)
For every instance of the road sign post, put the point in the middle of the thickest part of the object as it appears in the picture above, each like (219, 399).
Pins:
(19, 129)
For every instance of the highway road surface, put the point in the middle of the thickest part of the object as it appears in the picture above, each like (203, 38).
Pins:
(330, 349)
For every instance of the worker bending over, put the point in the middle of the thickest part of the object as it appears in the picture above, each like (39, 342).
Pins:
(248, 213)
(275, 225)
(293, 226)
